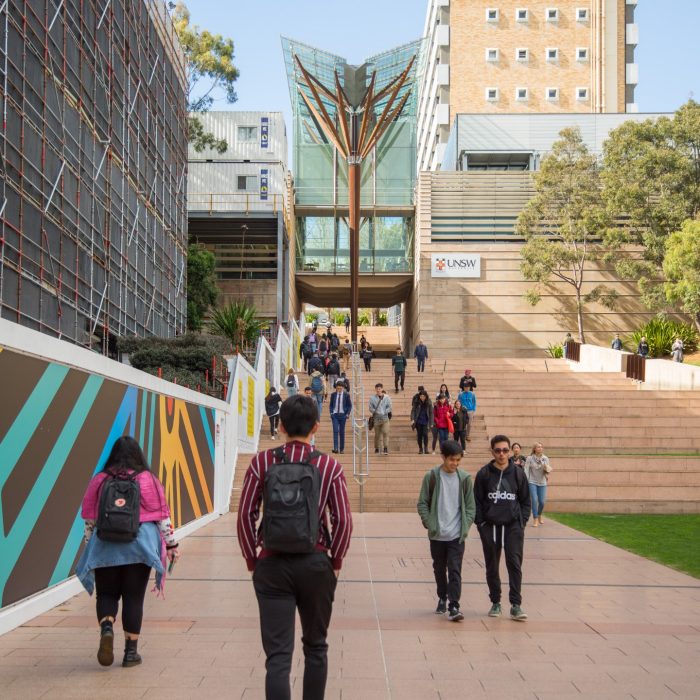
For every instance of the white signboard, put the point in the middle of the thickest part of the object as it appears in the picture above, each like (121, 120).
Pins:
(455, 265)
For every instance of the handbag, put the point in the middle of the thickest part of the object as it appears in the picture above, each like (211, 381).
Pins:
(450, 425)
(370, 423)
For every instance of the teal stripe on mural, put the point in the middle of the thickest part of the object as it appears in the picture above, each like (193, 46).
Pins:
(20, 433)
(16, 539)
(125, 414)
(207, 431)
(154, 398)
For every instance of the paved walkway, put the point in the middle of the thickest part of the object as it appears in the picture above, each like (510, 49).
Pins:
(603, 624)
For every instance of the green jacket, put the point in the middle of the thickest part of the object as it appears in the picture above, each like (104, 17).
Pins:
(428, 508)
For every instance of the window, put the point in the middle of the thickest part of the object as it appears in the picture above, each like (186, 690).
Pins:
(492, 55)
(552, 14)
(582, 14)
(552, 94)
(522, 15)
(582, 54)
(247, 183)
(492, 94)
(582, 94)
(521, 94)
(247, 134)
(552, 55)
(491, 15)
(522, 55)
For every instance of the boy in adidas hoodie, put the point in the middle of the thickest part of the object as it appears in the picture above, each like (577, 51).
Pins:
(502, 500)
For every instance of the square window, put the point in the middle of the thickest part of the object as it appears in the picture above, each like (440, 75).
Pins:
(491, 14)
(582, 94)
(247, 183)
(492, 55)
(552, 94)
(582, 14)
(552, 14)
(582, 54)
(521, 94)
(492, 94)
(247, 134)
(522, 15)
(552, 55)
(522, 55)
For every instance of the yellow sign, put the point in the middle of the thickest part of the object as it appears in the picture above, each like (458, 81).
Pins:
(251, 407)
(240, 397)
(267, 387)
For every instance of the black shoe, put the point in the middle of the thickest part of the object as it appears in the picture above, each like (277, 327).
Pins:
(342, 452)
(376, 450)
(455, 615)
(131, 656)
(420, 452)
(386, 452)
(335, 452)
(105, 652)
(441, 606)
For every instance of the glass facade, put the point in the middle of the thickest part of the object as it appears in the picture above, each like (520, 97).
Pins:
(321, 174)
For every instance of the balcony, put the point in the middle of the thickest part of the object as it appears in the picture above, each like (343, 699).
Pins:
(442, 115)
(443, 74)
(632, 34)
(632, 74)
(442, 35)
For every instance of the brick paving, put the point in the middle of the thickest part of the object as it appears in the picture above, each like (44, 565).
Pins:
(603, 624)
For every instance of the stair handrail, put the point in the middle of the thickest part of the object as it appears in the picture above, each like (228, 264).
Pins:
(360, 428)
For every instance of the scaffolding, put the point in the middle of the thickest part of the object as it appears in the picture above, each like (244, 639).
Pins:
(93, 162)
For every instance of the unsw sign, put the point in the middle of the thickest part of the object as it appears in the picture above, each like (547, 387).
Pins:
(455, 265)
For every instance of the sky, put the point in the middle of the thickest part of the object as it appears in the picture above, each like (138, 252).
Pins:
(668, 53)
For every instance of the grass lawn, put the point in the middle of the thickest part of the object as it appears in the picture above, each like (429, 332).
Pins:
(673, 540)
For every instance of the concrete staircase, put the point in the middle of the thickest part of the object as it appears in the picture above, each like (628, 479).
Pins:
(613, 448)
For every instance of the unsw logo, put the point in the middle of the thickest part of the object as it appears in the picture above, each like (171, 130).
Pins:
(456, 263)
(496, 496)
(440, 264)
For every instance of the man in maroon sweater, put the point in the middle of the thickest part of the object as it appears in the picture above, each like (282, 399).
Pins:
(285, 583)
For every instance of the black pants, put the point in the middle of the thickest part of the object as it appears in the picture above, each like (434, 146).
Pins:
(460, 436)
(274, 422)
(434, 431)
(422, 437)
(284, 583)
(447, 567)
(368, 365)
(128, 582)
(492, 537)
(399, 377)
(421, 364)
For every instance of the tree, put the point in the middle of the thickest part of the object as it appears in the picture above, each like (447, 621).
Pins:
(238, 322)
(202, 291)
(210, 70)
(682, 269)
(652, 184)
(563, 224)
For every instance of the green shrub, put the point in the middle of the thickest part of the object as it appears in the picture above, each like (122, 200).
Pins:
(660, 334)
(555, 350)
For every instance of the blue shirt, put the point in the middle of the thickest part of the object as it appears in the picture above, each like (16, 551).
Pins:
(468, 400)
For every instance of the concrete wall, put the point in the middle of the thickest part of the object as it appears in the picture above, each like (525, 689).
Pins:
(599, 359)
(665, 374)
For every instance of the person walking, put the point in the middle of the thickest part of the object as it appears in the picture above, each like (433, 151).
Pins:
(420, 353)
(346, 321)
(616, 343)
(467, 380)
(292, 382)
(398, 365)
(518, 457)
(310, 394)
(502, 509)
(340, 407)
(537, 469)
(346, 354)
(422, 419)
(677, 350)
(315, 363)
(643, 347)
(380, 413)
(272, 409)
(289, 575)
(366, 355)
(319, 389)
(446, 507)
(468, 400)
(460, 420)
(333, 370)
(444, 391)
(442, 412)
(119, 570)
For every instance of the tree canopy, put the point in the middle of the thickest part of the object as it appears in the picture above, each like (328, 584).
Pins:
(211, 72)
(682, 269)
(202, 291)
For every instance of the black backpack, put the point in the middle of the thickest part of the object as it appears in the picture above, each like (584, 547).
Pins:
(291, 494)
(290, 380)
(333, 367)
(119, 510)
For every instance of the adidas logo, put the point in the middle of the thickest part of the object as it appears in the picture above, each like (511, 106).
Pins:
(496, 496)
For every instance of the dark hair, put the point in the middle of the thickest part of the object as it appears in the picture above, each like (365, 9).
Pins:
(307, 388)
(442, 396)
(516, 443)
(499, 438)
(378, 384)
(450, 448)
(420, 388)
(298, 415)
(126, 453)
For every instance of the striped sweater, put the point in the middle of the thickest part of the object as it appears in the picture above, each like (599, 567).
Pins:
(334, 502)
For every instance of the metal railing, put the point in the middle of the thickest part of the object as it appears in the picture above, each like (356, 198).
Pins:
(572, 351)
(244, 202)
(636, 367)
(360, 429)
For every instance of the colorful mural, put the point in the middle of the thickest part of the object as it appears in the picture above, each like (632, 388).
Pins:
(57, 426)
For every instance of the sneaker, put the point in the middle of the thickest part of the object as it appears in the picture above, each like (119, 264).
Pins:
(441, 606)
(517, 613)
(376, 450)
(420, 452)
(495, 610)
(455, 615)
(386, 451)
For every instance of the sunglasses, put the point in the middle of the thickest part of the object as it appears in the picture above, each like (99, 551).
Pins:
(501, 450)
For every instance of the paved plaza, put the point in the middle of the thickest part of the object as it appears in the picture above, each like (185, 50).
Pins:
(603, 624)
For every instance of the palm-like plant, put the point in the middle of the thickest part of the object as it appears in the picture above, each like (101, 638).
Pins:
(238, 322)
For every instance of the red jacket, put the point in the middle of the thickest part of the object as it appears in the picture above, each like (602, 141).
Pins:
(441, 412)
